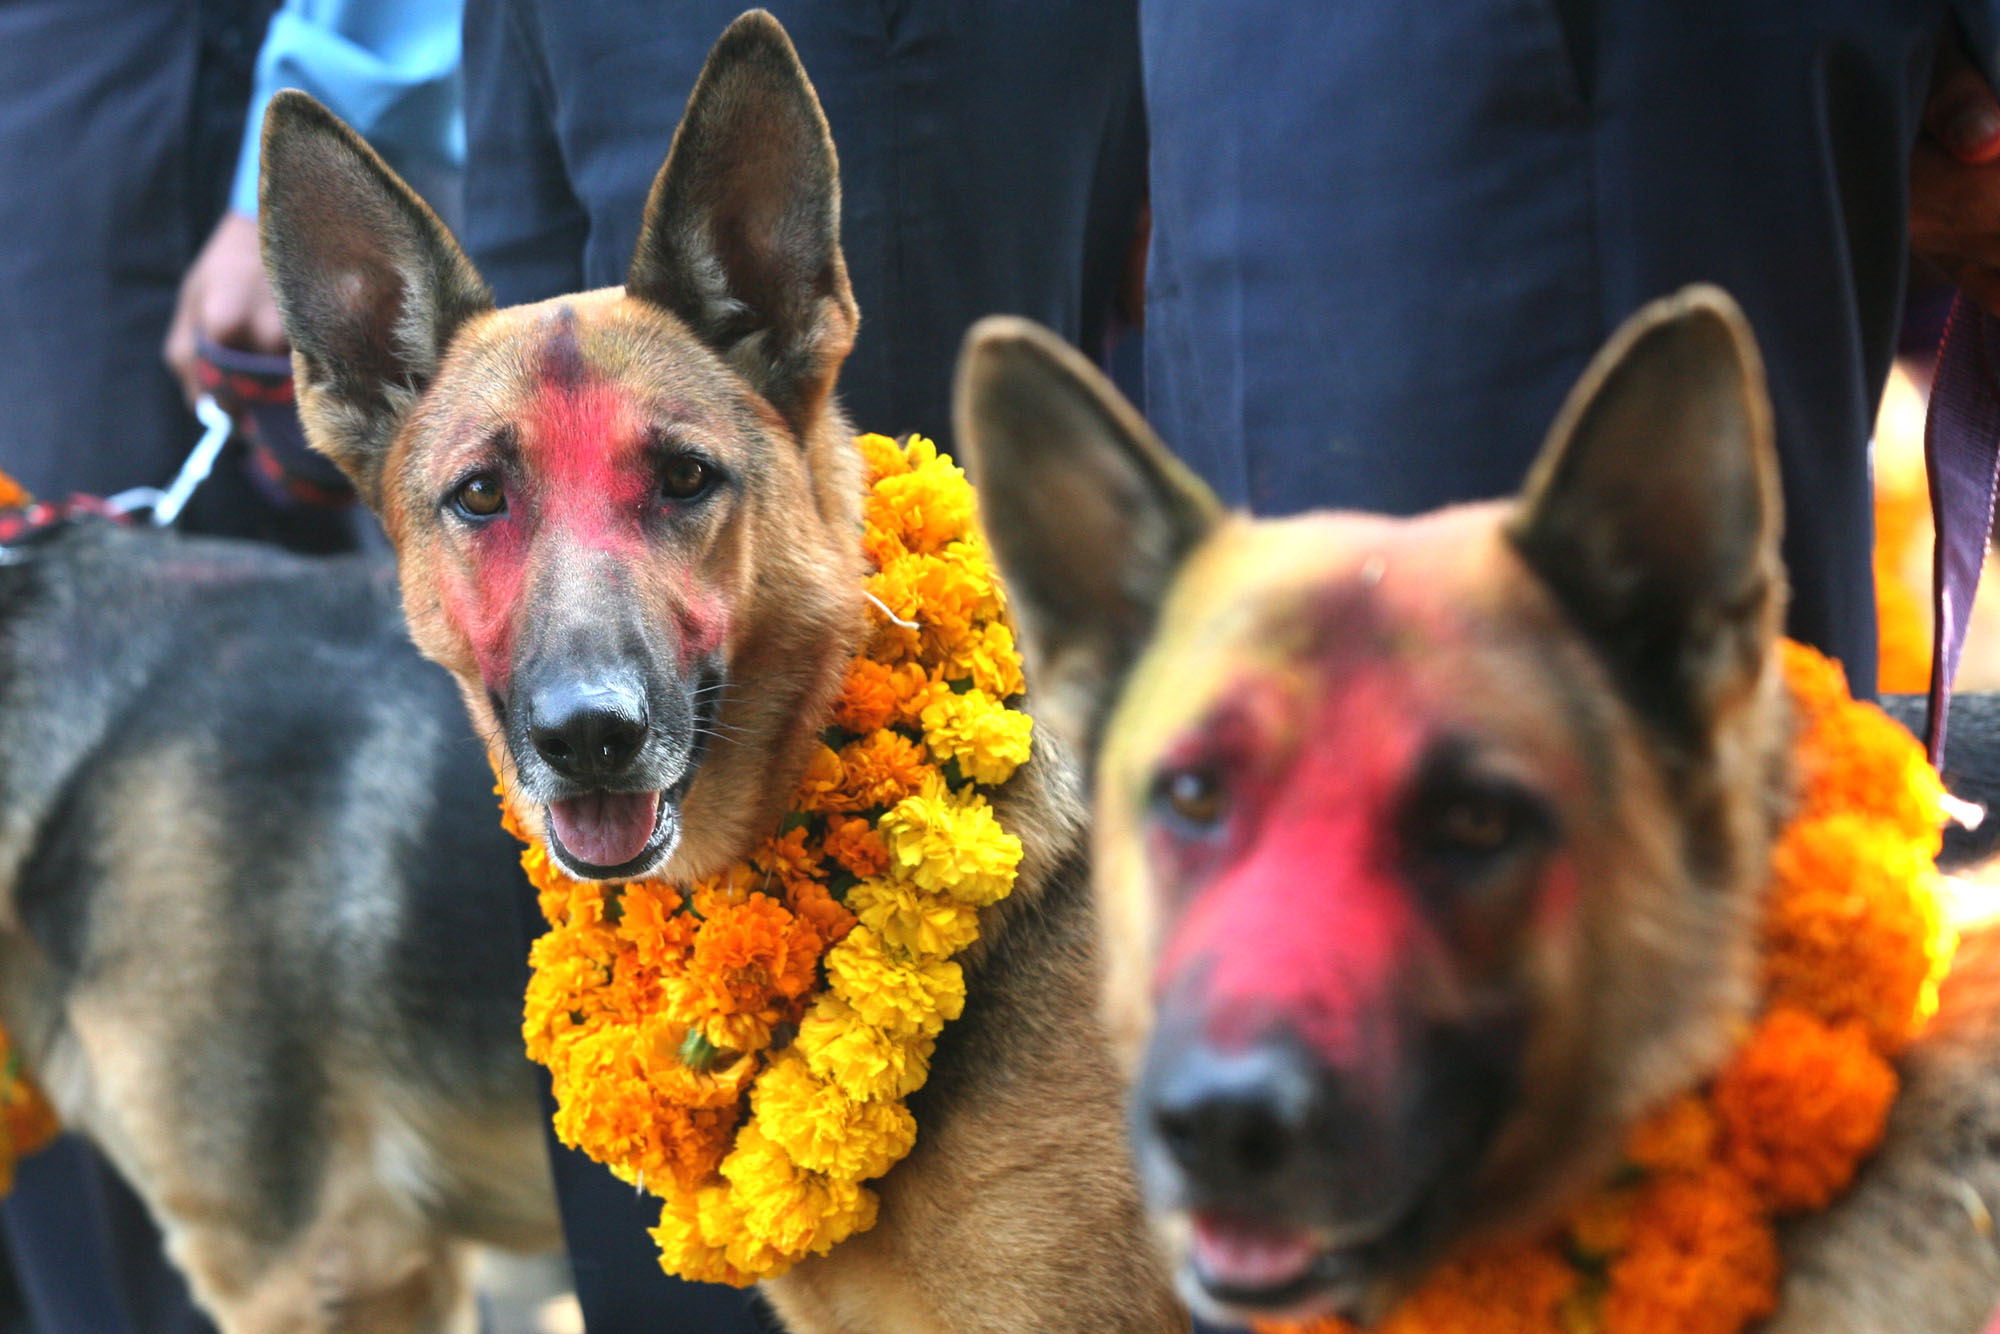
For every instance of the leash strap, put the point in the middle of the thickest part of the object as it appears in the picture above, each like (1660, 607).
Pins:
(1962, 463)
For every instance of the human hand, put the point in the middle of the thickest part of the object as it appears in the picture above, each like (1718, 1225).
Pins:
(226, 299)
(1955, 179)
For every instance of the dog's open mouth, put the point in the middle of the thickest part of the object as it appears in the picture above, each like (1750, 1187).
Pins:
(1246, 1264)
(605, 834)
(1253, 1269)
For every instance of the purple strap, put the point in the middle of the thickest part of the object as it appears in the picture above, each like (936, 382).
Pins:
(1962, 460)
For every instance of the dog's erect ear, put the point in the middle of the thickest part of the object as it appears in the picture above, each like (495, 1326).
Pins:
(1654, 509)
(741, 238)
(1088, 515)
(371, 285)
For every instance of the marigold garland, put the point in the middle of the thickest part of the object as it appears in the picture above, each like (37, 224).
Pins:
(742, 1046)
(1855, 941)
(27, 1121)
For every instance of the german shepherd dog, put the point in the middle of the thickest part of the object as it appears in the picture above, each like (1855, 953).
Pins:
(628, 523)
(1428, 850)
(248, 876)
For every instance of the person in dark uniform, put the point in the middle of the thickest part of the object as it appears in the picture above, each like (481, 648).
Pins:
(992, 158)
(1388, 237)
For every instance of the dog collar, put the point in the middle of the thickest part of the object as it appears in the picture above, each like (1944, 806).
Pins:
(742, 1046)
(1855, 939)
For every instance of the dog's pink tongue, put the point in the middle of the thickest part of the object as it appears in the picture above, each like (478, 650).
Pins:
(1232, 1253)
(605, 828)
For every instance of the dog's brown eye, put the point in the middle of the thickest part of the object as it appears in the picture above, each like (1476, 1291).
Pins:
(1193, 795)
(1474, 824)
(684, 478)
(480, 497)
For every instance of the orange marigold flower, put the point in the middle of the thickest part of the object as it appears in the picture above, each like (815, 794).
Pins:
(1601, 1226)
(751, 962)
(787, 856)
(1502, 1289)
(880, 770)
(1853, 925)
(853, 843)
(1817, 683)
(1702, 1259)
(1801, 1104)
(819, 789)
(1679, 1137)
(868, 697)
(1516, 1288)
(13, 495)
(650, 920)
(826, 915)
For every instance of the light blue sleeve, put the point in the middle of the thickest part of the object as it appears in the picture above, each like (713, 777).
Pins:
(389, 68)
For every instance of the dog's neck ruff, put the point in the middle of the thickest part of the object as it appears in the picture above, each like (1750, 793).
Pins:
(1855, 940)
(742, 1046)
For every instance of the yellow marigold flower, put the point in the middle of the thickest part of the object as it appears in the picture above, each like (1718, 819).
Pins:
(988, 739)
(950, 842)
(881, 769)
(903, 999)
(1853, 925)
(824, 1130)
(791, 1210)
(865, 1062)
(987, 656)
(882, 455)
(701, 1237)
(921, 924)
(1702, 1260)
(1801, 1104)
(928, 506)
(1678, 1137)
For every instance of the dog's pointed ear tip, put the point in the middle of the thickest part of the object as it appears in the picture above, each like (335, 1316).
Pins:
(1703, 309)
(755, 39)
(291, 112)
(1000, 344)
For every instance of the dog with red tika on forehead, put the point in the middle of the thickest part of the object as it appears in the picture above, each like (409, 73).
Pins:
(628, 522)
(1429, 850)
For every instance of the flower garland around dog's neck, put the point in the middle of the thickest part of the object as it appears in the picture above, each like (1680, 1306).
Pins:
(1855, 941)
(742, 1046)
(27, 1121)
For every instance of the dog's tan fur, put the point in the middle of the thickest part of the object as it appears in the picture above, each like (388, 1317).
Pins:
(1610, 639)
(1016, 1211)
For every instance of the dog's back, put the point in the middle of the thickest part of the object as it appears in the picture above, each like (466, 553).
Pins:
(257, 893)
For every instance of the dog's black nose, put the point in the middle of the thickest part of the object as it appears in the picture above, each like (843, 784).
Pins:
(588, 732)
(1236, 1123)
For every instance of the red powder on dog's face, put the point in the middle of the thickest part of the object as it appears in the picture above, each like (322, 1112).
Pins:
(1308, 923)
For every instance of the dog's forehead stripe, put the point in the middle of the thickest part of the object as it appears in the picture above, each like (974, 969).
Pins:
(560, 362)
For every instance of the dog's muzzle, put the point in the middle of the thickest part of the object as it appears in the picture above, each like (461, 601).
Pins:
(611, 762)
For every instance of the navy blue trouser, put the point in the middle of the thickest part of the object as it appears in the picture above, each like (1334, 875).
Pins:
(992, 159)
(1387, 237)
